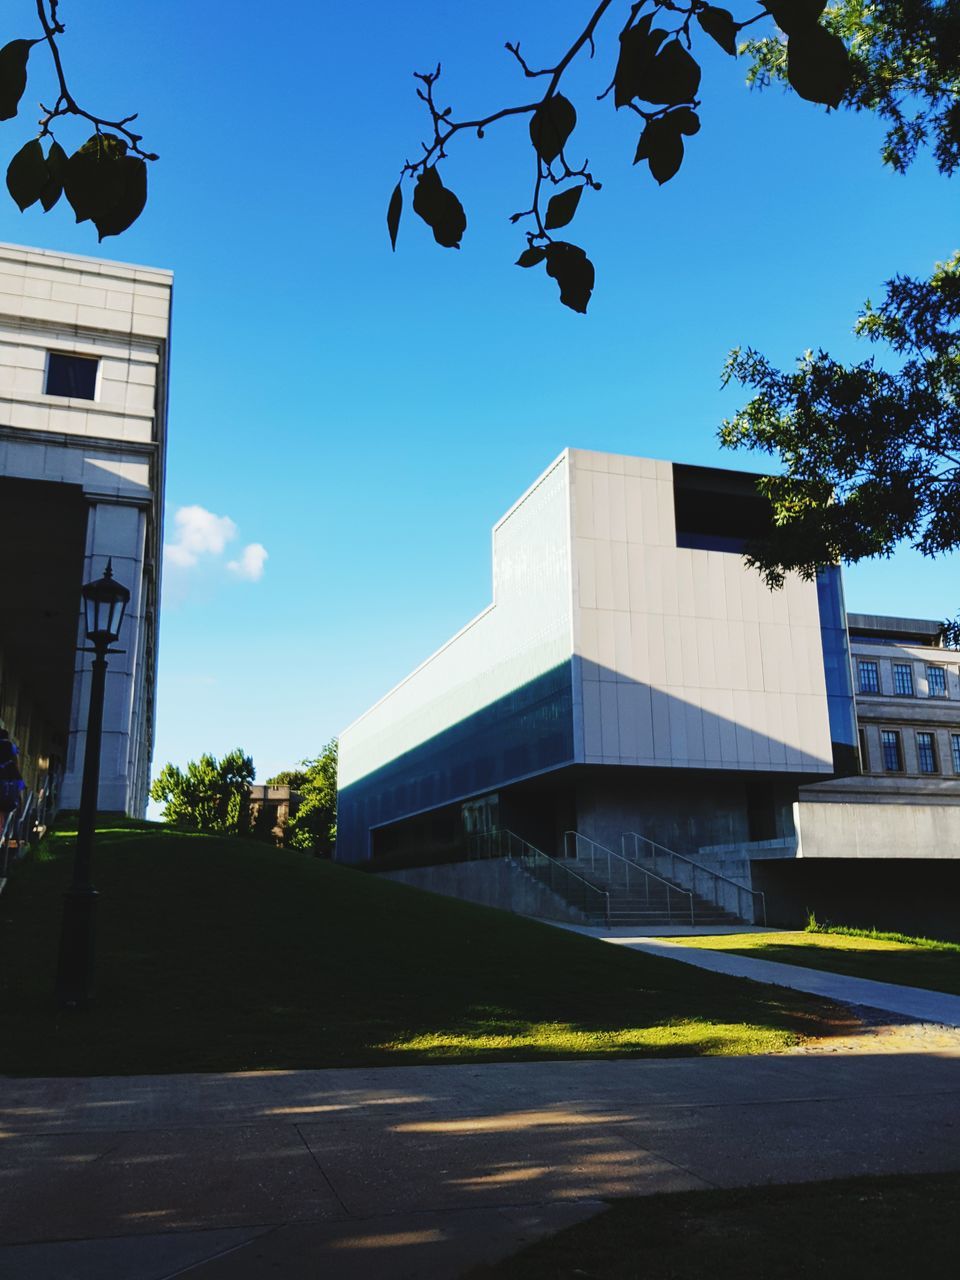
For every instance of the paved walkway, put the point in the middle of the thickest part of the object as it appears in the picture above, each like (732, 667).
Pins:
(422, 1171)
(910, 1002)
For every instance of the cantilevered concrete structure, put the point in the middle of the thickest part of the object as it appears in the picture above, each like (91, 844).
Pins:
(631, 674)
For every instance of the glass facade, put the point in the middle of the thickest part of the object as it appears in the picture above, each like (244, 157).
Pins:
(892, 754)
(903, 679)
(927, 753)
(524, 733)
(841, 710)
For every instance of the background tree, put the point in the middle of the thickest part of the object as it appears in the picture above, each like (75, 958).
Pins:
(870, 453)
(314, 826)
(209, 795)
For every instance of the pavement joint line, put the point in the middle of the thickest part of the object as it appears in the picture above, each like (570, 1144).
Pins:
(323, 1173)
(650, 1105)
(635, 1142)
(222, 1253)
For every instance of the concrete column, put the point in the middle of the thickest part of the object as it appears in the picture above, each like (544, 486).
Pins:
(118, 531)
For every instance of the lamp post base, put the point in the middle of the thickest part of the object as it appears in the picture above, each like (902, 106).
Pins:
(75, 966)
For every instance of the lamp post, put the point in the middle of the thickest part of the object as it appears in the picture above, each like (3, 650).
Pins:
(104, 604)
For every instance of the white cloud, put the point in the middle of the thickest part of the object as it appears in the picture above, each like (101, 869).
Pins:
(198, 533)
(249, 564)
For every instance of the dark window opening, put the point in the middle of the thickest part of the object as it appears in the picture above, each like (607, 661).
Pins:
(718, 510)
(955, 747)
(864, 756)
(869, 674)
(927, 753)
(892, 755)
(71, 376)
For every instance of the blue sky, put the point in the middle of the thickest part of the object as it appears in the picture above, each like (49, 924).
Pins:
(365, 417)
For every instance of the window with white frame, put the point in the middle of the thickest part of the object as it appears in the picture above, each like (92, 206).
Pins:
(936, 682)
(903, 679)
(70, 375)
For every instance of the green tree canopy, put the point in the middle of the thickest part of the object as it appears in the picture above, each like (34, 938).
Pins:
(870, 452)
(314, 826)
(209, 795)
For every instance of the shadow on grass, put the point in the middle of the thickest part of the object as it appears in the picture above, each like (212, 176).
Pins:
(218, 954)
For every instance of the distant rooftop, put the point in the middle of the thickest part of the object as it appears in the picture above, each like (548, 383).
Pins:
(878, 626)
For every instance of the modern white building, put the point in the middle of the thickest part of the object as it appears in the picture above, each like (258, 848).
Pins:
(84, 359)
(633, 675)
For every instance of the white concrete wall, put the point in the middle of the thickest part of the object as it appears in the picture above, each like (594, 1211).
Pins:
(687, 659)
(524, 633)
(878, 830)
(113, 447)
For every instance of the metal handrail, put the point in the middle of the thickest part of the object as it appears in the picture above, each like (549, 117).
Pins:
(599, 852)
(575, 890)
(6, 835)
(715, 877)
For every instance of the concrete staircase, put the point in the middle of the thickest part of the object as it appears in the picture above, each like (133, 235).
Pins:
(647, 884)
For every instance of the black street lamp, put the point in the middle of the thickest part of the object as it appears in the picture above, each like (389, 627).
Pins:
(104, 604)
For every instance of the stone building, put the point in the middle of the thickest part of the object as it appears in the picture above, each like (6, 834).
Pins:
(84, 368)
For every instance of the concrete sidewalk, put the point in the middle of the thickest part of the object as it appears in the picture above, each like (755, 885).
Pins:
(910, 1002)
(422, 1171)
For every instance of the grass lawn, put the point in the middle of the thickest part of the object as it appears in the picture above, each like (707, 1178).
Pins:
(912, 963)
(884, 1228)
(222, 954)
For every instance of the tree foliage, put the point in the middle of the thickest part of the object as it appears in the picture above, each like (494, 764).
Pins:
(870, 451)
(900, 58)
(209, 795)
(905, 57)
(314, 826)
(105, 179)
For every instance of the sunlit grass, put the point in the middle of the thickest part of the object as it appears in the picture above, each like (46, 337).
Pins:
(561, 1040)
(910, 962)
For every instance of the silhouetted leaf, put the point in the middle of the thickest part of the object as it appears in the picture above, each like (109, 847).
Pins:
(93, 181)
(562, 207)
(796, 15)
(661, 145)
(672, 77)
(27, 174)
(637, 48)
(439, 208)
(56, 171)
(573, 272)
(394, 209)
(531, 257)
(686, 120)
(720, 24)
(551, 125)
(130, 202)
(818, 66)
(106, 185)
(13, 75)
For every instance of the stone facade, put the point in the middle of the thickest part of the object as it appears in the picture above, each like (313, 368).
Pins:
(84, 351)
